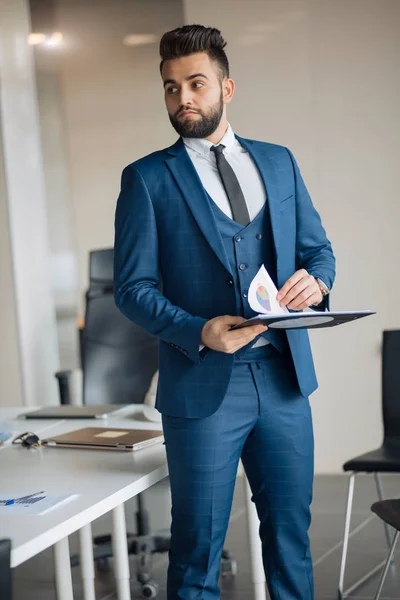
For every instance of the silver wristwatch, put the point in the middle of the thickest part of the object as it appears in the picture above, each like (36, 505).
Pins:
(323, 289)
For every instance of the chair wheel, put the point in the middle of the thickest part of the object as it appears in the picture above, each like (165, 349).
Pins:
(150, 589)
(228, 567)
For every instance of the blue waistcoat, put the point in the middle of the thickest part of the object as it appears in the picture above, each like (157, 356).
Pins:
(247, 248)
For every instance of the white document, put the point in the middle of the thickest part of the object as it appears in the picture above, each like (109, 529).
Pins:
(262, 299)
(262, 295)
(31, 504)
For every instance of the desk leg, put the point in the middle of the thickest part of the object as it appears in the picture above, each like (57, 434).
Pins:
(257, 569)
(120, 548)
(63, 570)
(87, 564)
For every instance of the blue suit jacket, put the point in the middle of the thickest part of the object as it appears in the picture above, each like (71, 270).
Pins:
(172, 273)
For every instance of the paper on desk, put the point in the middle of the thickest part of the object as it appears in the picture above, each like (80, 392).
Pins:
(262, 295)
(37, 503)
(6, 434)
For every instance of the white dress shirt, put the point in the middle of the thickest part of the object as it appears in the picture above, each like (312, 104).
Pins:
(245, 170)
(241, 162)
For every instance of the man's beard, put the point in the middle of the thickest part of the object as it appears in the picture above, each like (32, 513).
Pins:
(200, 127)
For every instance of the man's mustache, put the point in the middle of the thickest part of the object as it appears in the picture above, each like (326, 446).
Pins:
(183, 108)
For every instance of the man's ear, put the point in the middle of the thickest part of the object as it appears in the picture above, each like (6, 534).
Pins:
(228, 89)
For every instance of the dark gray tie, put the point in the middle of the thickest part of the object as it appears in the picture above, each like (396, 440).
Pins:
(232, 187)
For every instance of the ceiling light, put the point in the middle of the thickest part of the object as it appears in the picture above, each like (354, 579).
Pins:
(36, 38)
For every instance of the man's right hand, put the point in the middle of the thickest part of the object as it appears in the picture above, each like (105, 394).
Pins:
(217, 334)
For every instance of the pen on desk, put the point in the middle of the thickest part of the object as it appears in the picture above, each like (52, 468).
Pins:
(29, 499)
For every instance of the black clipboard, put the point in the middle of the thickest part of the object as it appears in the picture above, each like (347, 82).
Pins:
(305, 320)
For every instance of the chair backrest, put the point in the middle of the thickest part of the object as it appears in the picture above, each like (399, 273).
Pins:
(118, 357)
(391, 386)
(5, 570)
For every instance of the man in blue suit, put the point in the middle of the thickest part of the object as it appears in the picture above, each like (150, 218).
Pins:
(194, 223)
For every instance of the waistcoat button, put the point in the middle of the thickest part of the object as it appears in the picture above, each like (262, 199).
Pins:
(259, 236)
(237, 238)
(242, 267)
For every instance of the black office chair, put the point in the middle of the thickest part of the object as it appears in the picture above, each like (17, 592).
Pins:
(389, 512)
(118, 361)
(386, 458)
(5, 570)
(118, 358)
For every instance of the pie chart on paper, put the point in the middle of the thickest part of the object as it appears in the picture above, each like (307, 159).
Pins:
(262, 297)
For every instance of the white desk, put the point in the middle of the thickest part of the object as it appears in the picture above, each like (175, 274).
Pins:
(104, 482)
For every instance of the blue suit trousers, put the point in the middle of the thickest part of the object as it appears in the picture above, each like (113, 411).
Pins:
(265, 421)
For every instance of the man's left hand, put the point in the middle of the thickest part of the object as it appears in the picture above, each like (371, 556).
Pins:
(300, 291)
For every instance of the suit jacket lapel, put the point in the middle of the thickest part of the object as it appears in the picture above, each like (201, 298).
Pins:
(188, 181)
(268, 172)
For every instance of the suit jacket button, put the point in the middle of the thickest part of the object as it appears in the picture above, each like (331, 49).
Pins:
(229, 282)
(259, 236)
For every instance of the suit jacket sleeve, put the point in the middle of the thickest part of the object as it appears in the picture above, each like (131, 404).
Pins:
(313, 249)
(136, 279)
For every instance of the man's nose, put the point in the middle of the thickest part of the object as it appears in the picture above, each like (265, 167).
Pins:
(186, 97)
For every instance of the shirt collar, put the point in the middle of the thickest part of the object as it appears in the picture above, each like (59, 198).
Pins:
(203, 146)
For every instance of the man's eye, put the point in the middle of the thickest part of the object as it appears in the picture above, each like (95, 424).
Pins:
(171, 90)
(198, 84)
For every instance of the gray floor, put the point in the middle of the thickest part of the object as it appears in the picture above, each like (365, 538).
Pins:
(34, 579)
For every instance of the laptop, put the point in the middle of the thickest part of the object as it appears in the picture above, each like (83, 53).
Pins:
(71, 411)
(106, 438)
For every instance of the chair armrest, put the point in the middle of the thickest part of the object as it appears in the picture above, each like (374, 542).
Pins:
(70, 386)
(63, 378)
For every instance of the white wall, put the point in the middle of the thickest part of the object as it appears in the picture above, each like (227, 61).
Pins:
(31, 357)
(113, 105)
(100, 108)
(322, 77)
(10, 363)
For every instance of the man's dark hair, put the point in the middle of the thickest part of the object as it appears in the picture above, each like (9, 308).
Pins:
(195, 38)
